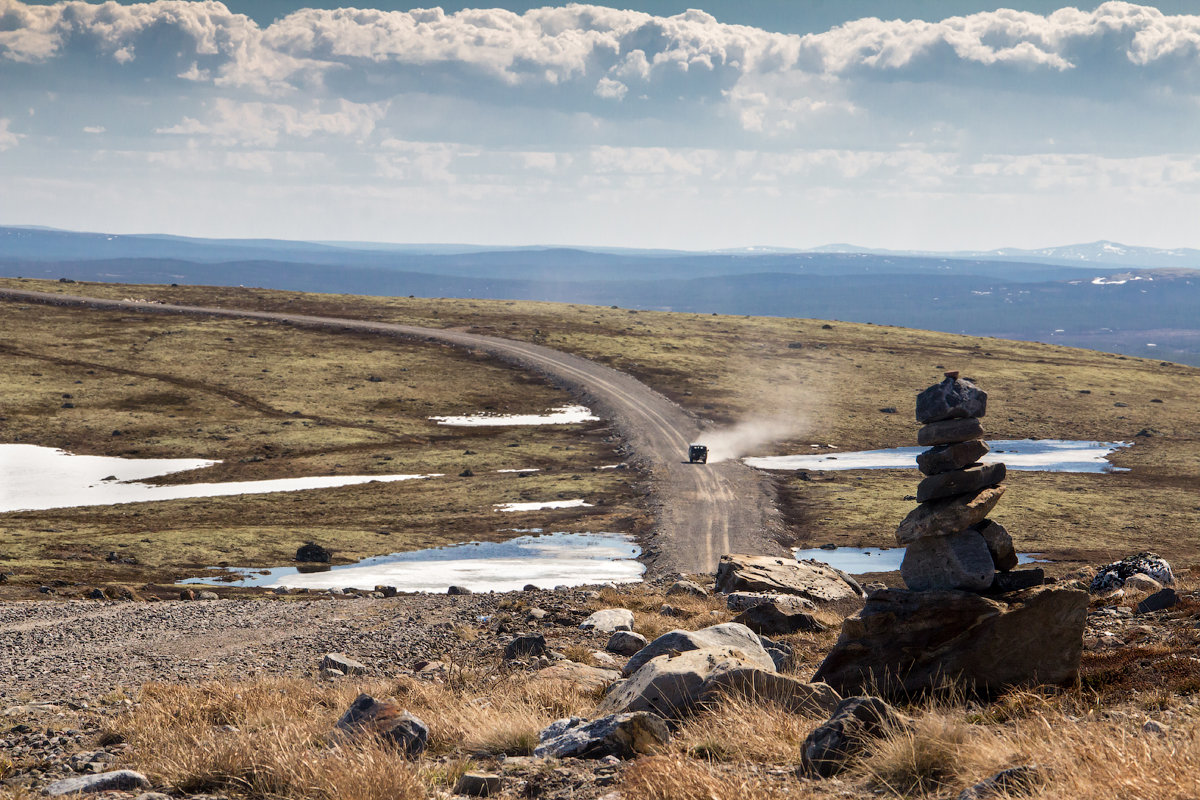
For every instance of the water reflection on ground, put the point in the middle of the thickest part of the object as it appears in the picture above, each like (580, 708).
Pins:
(544, 560)
(857, 560)
(1044, 455)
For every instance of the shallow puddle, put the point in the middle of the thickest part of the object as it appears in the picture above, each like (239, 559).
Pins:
(34, 478)
(545, 560)
(1043, 455)
(564, 415)
(857, 560)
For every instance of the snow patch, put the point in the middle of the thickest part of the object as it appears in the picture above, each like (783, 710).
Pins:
(563, 415)
(577, 503)
(34, 478)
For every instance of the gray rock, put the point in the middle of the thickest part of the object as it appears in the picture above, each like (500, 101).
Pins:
(770, 619)
(343, 664)
(608, 620)
(943, 517)
(672, 685)
(478, 784)
(1007, 783)
(946, 457)
(999, 544)
(906, 642)
(121, 780)
(206, 595)
(728, 634)
(958, 561)
(620, 735)
(1140, 582)
(1159, 601)
(385, 719)
(813, 580)
(625, 643)
(1017, 580)
(791, 603)
(959, 481)
(687, 587)
(529, 644)
(848, 733)
(313, 554)
(780, 652)
(1114, 575)
(586, 677)
(458, 590)
(951, 399)
(758, 686)
(950, 431)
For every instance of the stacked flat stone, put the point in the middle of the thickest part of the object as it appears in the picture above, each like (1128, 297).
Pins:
(951, 544)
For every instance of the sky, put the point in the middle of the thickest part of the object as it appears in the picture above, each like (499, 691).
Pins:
(905, 124)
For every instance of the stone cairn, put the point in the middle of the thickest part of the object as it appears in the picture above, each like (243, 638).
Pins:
(967, 618)
(951, 544)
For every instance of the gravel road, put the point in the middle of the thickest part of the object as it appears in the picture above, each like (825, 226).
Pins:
(701, 511)
(79, 650)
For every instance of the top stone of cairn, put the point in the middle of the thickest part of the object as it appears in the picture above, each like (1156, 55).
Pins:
(953, 398)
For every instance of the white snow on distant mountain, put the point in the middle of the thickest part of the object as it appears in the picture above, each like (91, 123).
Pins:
(1102, 253)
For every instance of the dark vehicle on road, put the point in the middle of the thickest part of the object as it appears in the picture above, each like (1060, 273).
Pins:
(697, 454)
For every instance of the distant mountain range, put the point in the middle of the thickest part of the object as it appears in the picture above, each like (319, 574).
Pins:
(1131, 300)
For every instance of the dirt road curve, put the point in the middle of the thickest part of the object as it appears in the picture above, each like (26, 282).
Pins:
(702, 511)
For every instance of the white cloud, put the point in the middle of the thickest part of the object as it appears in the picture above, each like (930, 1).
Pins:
(8, 139)
(611, 90)
(263, 124)
(94, 129)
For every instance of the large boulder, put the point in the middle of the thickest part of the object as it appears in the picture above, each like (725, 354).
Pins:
(950, 431)
(942, 517)
(952, 398)
(740, 601)
(946, 457)
(387, 720)
(848, 734)
(811, 580)
(772, 618)
(725, 635)
(607, 620)
(905, 642)
(586, 677)
(959, 481)
(671, 685)
(759, 686)
(619, 735)
(958, 561)
(1114, 575)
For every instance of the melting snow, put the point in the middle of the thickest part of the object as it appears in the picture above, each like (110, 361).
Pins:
(557, 416)
(1045, 455)
(34, 478)
(556, 559)
(579, 503)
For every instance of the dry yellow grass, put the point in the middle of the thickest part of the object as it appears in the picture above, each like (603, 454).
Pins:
(270, 737)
